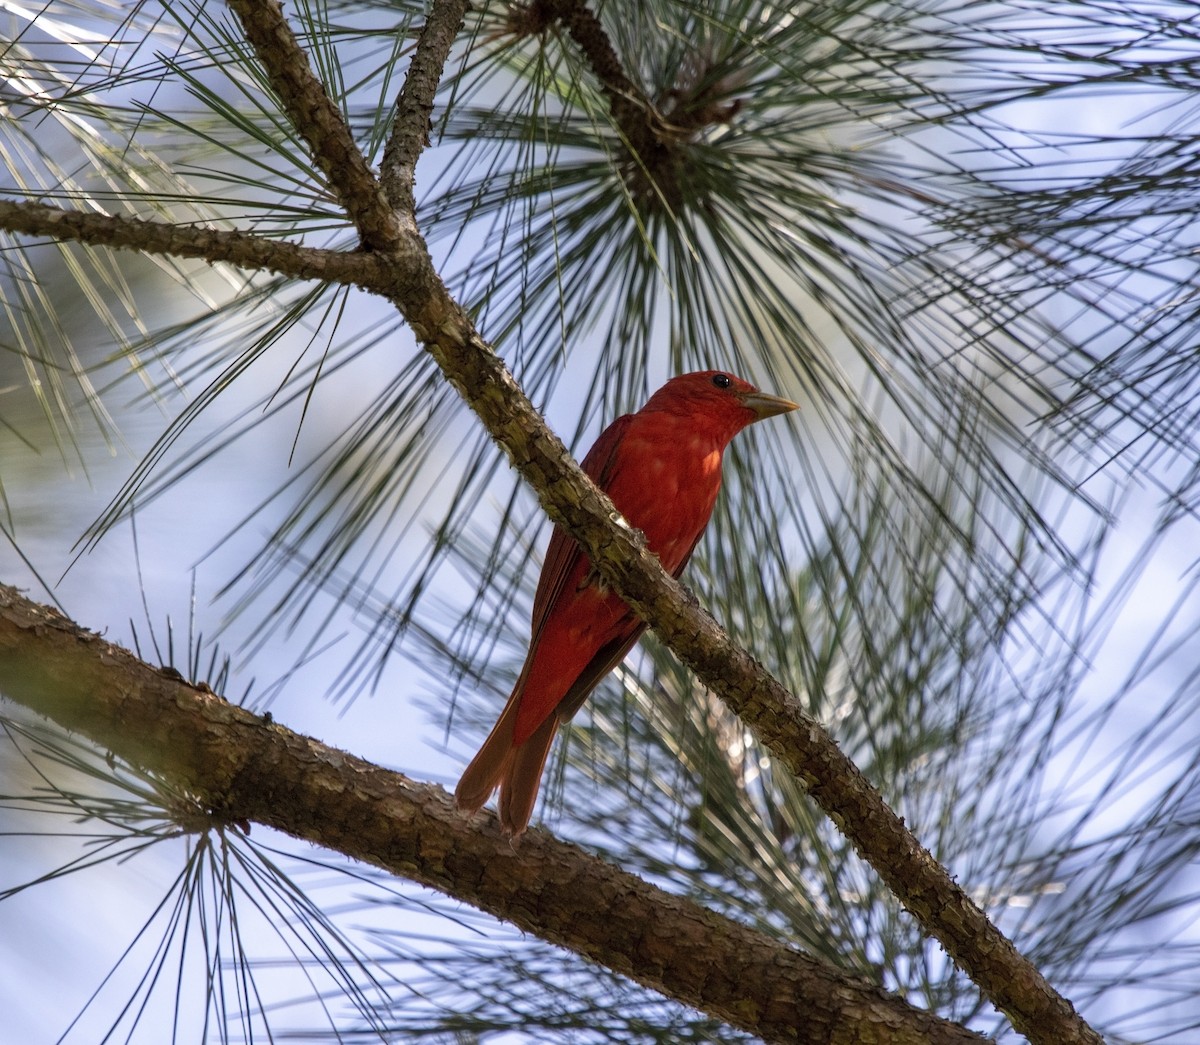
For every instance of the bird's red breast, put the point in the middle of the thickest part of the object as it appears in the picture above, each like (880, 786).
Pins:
(662, 469)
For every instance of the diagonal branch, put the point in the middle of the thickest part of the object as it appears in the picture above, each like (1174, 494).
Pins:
(243, 768)
(320, 122)
(414, 106)
(1009, 979)
(641, 125)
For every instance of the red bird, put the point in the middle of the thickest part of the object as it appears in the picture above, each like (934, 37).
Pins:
(662, 469)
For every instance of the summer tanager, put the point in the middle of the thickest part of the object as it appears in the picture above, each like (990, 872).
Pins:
(662, 469)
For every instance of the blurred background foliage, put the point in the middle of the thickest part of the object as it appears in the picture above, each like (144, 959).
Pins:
(961, 233)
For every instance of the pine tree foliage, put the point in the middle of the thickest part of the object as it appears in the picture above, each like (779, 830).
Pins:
(961, 233)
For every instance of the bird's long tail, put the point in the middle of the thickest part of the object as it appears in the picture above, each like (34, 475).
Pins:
(523, 776)
(515, 768)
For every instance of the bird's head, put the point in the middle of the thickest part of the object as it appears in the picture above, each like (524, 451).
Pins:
(717, 399)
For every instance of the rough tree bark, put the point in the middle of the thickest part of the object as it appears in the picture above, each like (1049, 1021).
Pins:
(239, 767)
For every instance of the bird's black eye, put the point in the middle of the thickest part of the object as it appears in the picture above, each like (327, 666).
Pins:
(722, 380)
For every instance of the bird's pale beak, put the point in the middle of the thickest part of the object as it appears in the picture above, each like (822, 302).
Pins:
(765, 405)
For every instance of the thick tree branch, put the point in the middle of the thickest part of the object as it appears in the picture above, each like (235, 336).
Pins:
(242, 768)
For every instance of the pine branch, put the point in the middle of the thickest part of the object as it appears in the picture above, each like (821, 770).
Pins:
(642, 126)
(414, 106)
(215, 246)
(650, 139)
(245, 768)
(321, 123)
